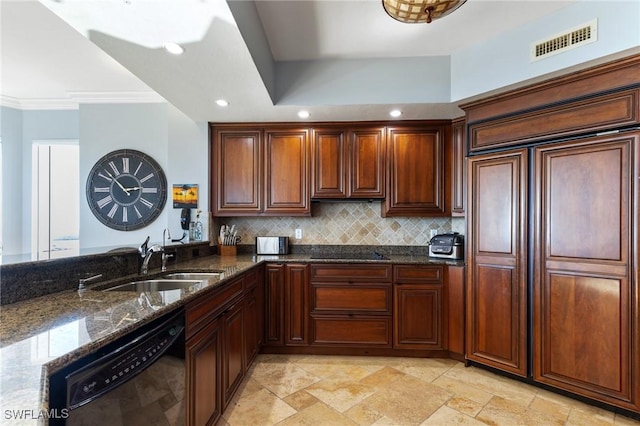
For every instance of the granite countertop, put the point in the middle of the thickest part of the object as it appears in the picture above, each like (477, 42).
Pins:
(42, 335)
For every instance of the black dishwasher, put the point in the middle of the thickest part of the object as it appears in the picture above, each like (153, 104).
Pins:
(138, 379)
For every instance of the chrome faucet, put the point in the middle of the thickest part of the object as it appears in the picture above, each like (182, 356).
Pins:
(165, 256)
(146, 254)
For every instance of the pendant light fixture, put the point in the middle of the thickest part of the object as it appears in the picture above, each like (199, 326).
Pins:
(419, 11)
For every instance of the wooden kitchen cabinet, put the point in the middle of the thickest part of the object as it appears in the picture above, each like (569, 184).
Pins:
(582, 283)
(287, 172)
(417, 165)
(286, 305)
(274, 304)
(497, 247)
(419, 320)
(458, 167)
(260, 172)
(351, 305)
(222, 338)
(205, 353)
(233, 359)
(456, 302)
(203, 363)
(296, 316)
(348, 163)
(254, 313)
(585, 305)
(236, 167)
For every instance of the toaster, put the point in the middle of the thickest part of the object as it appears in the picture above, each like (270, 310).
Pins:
(272, 245)
(447, 246)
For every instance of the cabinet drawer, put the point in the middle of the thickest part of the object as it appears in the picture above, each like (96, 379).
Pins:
(349, 272)
(352, 298)
(356, 331)
(200, 312)
(418, 274)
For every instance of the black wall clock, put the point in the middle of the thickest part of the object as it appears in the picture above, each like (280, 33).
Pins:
(126, 189)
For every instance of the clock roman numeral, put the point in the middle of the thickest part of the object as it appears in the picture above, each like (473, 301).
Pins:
(101, 189)
(150, 190)
(137, 169)
(113, 211)
(125, 214)
(137, 212)
(105, 201)
(125, 164)
(146, 202)
(146, 178)
(114, 168)
(105, 177)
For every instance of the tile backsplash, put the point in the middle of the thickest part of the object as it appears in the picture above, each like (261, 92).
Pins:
(348, 223)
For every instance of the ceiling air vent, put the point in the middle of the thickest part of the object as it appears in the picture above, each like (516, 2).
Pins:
(575, 37)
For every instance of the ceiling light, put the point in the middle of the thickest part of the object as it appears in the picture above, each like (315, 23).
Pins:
(419, 11)
(173, 48)
(395, 113)
(222, 103)
(303, 114)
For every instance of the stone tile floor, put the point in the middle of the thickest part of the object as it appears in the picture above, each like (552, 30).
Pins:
(339, 390)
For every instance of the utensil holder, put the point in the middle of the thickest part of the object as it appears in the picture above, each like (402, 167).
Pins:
(227, 250)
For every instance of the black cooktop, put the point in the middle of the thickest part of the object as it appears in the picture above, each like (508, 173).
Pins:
(350, 256)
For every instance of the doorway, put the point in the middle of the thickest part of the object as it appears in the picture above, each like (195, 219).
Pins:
(55, 199)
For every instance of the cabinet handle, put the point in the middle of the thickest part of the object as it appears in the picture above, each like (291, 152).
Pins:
(230, 309)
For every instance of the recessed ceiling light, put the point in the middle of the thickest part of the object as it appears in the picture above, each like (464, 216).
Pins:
(303, 114)
(222, 102)
(173, 48)
(395, 113)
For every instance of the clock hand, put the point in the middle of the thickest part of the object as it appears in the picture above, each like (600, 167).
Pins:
(135, 188)
(118, 183)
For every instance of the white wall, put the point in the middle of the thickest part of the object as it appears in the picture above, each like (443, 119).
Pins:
(505, 60)
(338, 82)
(19, 130)
(177, 143)
(188, 163)
(12, 191)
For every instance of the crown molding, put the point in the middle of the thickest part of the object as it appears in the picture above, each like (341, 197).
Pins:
(76, 98)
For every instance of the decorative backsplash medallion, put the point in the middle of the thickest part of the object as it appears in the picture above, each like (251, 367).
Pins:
(346, 223)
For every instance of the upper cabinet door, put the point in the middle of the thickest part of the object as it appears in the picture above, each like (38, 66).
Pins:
(416, 184)
(329, 163)
(287, 172)
(366, 163)
(237, 170)
(348, 163)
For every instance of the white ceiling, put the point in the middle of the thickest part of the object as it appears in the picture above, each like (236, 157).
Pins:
(50, 62)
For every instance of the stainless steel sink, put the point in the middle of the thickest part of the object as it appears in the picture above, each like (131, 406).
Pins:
(155, 285)
(200, 276)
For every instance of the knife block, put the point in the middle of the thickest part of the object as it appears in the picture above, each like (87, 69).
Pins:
(227, 250)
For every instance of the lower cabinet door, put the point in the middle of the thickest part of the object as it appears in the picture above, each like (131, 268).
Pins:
(418, 317)
(203, 358)
(252, 340)
(233, 355)
(274, 305)
(296, 313)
